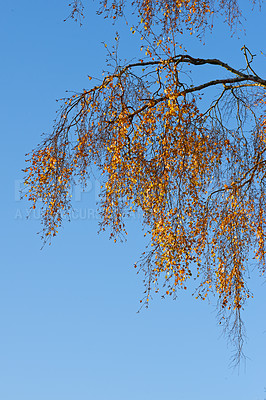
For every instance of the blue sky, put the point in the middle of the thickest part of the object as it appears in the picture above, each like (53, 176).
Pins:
(69, 323)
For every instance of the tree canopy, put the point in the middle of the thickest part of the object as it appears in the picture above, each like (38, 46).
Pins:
(196, 173)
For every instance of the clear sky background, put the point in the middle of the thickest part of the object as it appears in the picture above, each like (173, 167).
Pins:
(69, 324)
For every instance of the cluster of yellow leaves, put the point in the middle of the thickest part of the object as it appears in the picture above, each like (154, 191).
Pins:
(48, 177)
(160, 156)
(175, 15)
